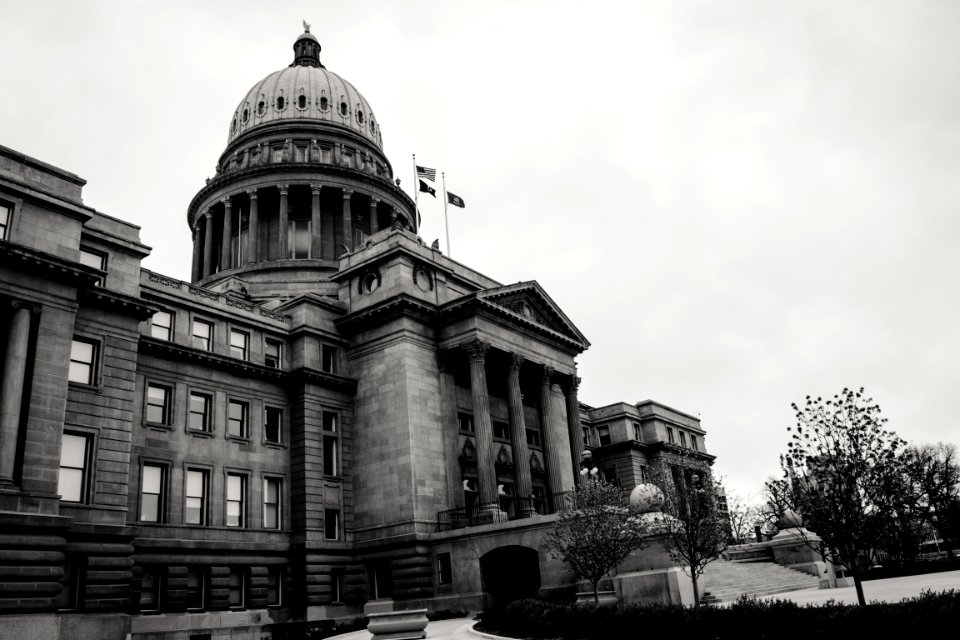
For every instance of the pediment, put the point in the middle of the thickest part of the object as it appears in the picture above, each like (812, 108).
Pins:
(529, 303)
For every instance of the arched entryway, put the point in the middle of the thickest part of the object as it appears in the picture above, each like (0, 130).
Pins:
(508, 574)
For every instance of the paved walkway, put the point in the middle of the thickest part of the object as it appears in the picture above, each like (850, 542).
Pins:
(887, 590)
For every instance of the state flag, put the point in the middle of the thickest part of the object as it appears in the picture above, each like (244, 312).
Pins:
(455, 200)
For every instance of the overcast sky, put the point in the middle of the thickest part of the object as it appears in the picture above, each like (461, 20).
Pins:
(738, 203)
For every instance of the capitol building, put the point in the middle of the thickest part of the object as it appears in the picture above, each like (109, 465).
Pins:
(330, 418)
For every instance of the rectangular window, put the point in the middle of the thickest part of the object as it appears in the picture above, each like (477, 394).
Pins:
(237, 423)
(683, 439)
(94, 259)
(298, 238)
(693, 443)
(202, 334)
(271, 503)
(152, 484)
(501, 430)
(239, 344)
(533, 437)
(237, 589)
(444, 569)
(603, 435)
(610, 475)
(464, 422)
(669, 435)
(196, 589)
(337, 576)
(331, 524)
(195, 497)
(586, 435)
(71, 594)
(329, 358)
(199, 416)
(636, 432)
(275, 587)
(83, 361)
(158, 404)
(75, 454)
(6, 212)
(236, 499)
(272, 424)
(331, 445)
(272, 354)
(161, 325)
(150, 590)
(539, 499)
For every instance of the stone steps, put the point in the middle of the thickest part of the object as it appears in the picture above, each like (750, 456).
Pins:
(726, 580)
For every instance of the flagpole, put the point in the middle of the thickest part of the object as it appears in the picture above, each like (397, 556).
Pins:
(446, 222)
(416, 191)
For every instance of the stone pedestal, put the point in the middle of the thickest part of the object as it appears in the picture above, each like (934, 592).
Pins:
(656, 586)
(398, 625)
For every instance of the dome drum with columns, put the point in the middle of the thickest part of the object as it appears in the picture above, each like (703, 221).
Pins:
(303, 180)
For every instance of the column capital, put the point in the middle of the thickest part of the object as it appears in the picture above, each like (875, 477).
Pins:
(315, 188)
(26, 306)
(374, 201)
(476, 350)
(516, 361)
(283, 188)
(208, 214)
(225, 201)
(546, 374)
(347, 193)
(575, 383)
(252, 193)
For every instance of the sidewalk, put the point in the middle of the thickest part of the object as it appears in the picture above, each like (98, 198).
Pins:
(886, 590)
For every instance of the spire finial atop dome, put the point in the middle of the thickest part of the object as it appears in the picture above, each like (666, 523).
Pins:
(306, 49)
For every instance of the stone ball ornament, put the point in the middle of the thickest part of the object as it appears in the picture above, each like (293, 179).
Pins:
(790, 520)
(646, 498)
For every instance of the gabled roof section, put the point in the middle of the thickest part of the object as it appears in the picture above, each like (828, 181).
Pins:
(529, 303)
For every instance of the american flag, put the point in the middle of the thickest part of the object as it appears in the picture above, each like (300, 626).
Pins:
(429, 174)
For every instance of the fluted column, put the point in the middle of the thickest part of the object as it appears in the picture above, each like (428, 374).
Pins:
(11, 389)
(518, 440)
(226, 246)
(283, 217)
(208, 266)
(315, 250)
(347, 220)
(253, 229)
(573, 425)
(550, 443)
(448, 421)
(483, 429)
(196, 269)
(374, 226)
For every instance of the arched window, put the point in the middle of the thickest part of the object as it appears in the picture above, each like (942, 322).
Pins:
(324, 103)
(360, 116)
(281, 104)
(302, 102)
(261, 107)
(343, 109)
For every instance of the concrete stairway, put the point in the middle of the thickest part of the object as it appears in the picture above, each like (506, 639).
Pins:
(724, 580)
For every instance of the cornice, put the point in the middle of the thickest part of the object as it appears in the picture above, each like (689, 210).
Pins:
(21, 258)
(402, 305)
(472, 305)
(324, 379)
(118, 302)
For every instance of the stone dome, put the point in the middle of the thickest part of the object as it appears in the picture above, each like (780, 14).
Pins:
(305, 92)
(646, 498)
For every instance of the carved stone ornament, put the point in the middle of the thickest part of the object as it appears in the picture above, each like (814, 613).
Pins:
(503, 457)
(535, 463)
(469, 451)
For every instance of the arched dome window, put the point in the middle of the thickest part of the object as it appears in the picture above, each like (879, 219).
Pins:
(343, 109)
(261, 106)
(324, 103)
(233, 127)
(359, 116)
(281, 103)
(301, 102)
(246, 115)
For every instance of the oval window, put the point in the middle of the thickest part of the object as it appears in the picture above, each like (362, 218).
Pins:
(246, 115)
(233, 127)
(324, 103)
(302, 101)
(343, 108)
(261, 108)
(369, 283)
(280, 103)
(360, 117)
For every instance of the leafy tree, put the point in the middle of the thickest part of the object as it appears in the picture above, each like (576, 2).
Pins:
(934, 471)
(840, 460)
(595, 531)
(695, 530)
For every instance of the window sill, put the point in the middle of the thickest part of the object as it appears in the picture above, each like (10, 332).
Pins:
(198, 433)
(83, 386)
(238, 439)
(274, 445)
(158, 425)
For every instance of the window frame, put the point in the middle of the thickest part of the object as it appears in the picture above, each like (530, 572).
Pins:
(683, 439)
(242, 501)
(205, 475)
(444, 568)
(166, 420)
(242, 591)
(94, 364)
(203, 576)
(87, 471)
(465, 418)
(153, 326)
(244, 419)
(329, 358)
(502, 425)
(209, 324)
(278, 505)
(161, 494)
(670, 437)
(337, 528)
(102, 266)
(267, 343)
(603, 433)
(330, 443)
(156, 573)
(245, 350)
(266, 425)
(7, 227)
(207, 428)
(637, 432)
(275, 573)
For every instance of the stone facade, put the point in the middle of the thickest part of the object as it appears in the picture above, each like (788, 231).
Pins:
(329, 414)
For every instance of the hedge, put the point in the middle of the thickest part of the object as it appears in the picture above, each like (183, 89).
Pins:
(744, 619)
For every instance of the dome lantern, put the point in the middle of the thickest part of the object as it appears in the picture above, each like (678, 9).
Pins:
(306, 49)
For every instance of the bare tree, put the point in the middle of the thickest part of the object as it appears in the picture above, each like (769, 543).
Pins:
(696, 531)
(840, 460)
(777, 501)
(595, 531)
(743, 517)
